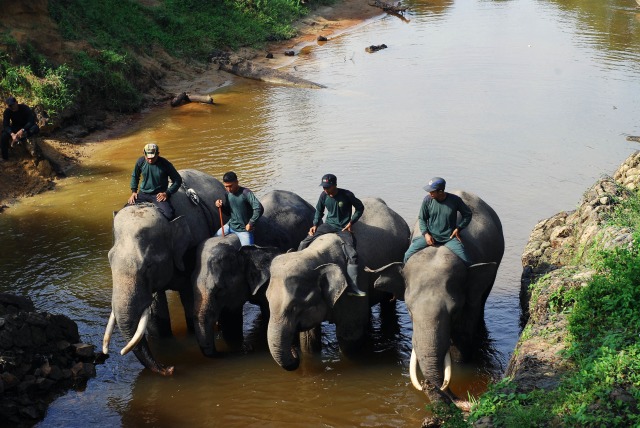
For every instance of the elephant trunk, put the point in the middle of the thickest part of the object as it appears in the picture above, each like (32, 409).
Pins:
(144, 355)
(205, 322)
(431, 347)
(131, 311)
(280, 339)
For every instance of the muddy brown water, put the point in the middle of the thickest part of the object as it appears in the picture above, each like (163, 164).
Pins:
(525, 103)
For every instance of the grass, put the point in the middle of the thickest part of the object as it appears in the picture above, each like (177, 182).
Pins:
(107, 76)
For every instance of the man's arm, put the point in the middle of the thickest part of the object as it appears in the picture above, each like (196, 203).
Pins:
(423, 216)
(176, 180)
(319, 209)
(6, 121)
(255, 205)
(466, 214)
(358, 206)
(31, 120)
(135, 177)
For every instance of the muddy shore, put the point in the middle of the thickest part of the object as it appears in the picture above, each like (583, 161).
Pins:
(27, 174)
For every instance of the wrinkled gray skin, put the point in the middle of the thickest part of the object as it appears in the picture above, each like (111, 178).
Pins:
(151, 255)
(228, 275)
(445, 299)
(306, 287)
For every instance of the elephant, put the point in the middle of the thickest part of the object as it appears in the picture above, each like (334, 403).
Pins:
(228, 275)
(445, 298)
(307, 287)
(150, 255)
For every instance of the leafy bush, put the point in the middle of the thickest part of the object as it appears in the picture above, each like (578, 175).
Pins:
(48, 86)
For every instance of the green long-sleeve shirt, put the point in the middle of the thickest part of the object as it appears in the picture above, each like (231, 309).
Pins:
(243, 207)
(338, 208)
(155, 177)
(441, 218)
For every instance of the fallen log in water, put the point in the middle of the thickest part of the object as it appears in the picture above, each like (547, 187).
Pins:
(388, 7)
(184, 98)
(632, 137)
(245, 68)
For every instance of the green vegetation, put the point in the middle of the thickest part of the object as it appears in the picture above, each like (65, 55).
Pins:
(108, 75)
(35, 81)
(603, 345)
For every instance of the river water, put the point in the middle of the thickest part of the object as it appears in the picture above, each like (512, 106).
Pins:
(525, 103)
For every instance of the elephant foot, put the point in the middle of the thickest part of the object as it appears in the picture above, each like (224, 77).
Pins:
(463, 405)
(166, 371)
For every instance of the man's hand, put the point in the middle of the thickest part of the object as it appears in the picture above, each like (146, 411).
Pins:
(347, 227)
(15, 137)
(429, 239)
(161, 197)
(132, 198)
(219, 203)
(312, 231)
(456, 234)
(249, 227)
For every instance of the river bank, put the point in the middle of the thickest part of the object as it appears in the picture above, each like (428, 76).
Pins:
(62, 150)
(558, 262)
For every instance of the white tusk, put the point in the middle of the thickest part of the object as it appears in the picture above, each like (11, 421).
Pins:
(108, 332)
(447, 372)
(142, 327)
(413, 365)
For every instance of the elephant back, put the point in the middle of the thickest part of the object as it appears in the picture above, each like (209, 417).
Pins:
(285, 222)
(203, 218)
(382, 234)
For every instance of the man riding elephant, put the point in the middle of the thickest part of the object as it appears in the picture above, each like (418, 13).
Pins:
(339, 204)
(438, 219)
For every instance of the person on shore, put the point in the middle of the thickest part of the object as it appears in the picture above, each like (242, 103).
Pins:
(339, 204)
(18, 122)
(154, 188)
(242, 207)
(438, 220)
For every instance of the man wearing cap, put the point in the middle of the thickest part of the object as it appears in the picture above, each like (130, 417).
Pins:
(438, 219)
(242, 207)
(339, 204)
(18, 122)
(154, 188)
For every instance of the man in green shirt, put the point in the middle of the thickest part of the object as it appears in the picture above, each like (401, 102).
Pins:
(154, 188)
(243, 208)
(438, 219)
(339, 204)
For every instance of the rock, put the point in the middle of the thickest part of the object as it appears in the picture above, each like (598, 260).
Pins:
(289, 53)
(84, 350)
(322, 39)
(375, 48)
(37, 360)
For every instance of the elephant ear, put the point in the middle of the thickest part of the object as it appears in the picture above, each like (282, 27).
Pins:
(258, 265)
(180, 240)
(390, 279)
(332, 282)
(479, 281)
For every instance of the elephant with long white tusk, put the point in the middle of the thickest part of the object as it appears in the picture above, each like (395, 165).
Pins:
(446, 298)
(151, 255)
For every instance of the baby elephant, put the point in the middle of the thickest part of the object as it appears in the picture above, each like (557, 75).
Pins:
(227, 274)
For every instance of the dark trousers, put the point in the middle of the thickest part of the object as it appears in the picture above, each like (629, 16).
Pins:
(165, 207)
(5, 141)
(348, 241)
